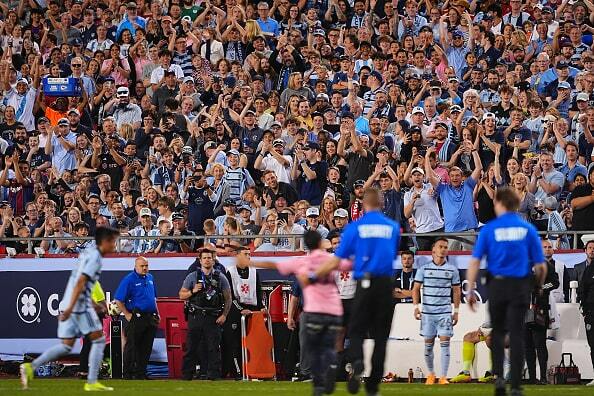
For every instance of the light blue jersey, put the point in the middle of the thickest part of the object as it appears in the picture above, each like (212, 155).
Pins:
(89, 265)
(437, 281)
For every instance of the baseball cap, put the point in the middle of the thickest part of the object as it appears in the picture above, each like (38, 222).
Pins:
(233, 152)
(414, 129)
(252, 112)
(455, 108)
(340, 212)
(177, 216)
(141, 200)
(161, 219)
(377, 75)
(563, 85)
(358, 183)
(23, 80)
(245, 207)
(209, 145)
(187, 150)
(457, 33)
(441, 124)
(278, 142)
(311, 146)
(312, 212)
(348, 114)
(562, 65)
(276, 123)
(258, 77)
(229, 202)
(488, 115)
(120, 224)
(123, 91)
(582, 96)
(319, 32)
(547, 10)
(145, 212)
(418, 110)
(453, 79)
(63, 122)
(42, 120)
(75, 111)
(166, 18)
(417, 169)
(188, 79)
(383, 148)
(323, 96)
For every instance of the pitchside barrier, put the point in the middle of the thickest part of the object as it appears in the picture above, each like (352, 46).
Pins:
(32, 287)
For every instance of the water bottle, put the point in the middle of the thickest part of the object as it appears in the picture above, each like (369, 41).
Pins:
(418, 374)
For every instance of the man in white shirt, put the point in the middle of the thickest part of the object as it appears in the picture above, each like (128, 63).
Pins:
(272, 158)
(157, 76)
(420, 203)
(22, 98)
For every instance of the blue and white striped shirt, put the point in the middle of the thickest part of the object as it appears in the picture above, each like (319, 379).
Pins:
(437, 281)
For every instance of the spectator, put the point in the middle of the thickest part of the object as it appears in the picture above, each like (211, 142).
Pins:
(546, 181)
(582, 203)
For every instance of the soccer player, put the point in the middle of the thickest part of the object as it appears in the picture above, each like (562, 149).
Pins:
(77, 315)
(322, 309)
(441, 286)
(513, 252)
(469, 342)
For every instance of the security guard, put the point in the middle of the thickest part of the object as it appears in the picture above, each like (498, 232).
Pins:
(208, 297)
(513, 252)
(137, 299)
(372, 244)
(404, 279)
(246, 294)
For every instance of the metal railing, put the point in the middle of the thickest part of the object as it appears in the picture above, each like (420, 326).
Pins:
(465, 237)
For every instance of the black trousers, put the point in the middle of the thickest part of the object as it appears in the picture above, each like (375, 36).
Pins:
(319, 337)
(140, 334)
(372, 312)
(589, 321)
(535, 338)
(202, 327)
(509, 299)
(231, 345)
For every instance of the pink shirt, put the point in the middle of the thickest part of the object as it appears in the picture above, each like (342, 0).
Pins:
(321, 297)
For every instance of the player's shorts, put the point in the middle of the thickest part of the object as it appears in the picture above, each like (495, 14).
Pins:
(79, 324)
(436, 325)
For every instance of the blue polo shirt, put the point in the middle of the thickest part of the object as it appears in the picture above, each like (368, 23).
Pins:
(137, 292)
(269, 26)
(372, 243)
(458, 206)
(510, 245)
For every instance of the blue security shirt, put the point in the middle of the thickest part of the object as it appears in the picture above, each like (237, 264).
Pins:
(137, 292)
(372, 243)
(510, 245)
(437, 281)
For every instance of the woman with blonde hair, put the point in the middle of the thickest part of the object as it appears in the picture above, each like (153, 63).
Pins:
(73, 217)
(252, 29)
(219, 186)
(126, 132)
(327, 212)
(527, 201)
(297, 87)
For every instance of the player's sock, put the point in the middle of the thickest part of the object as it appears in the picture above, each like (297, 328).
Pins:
(467, 355)
(429, 357)
(95, 359)
(445, 357)
(506, 363)
(54, 353)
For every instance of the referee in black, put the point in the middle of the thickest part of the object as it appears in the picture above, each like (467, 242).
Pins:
(515, 266)
(372, 244)
(136, 297)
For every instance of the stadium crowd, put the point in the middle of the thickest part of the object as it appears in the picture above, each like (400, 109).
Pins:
(269, 118)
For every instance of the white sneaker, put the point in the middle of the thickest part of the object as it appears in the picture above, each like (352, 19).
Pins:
(591, 383)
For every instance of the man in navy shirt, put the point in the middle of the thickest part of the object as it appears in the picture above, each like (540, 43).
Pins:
(372, 244)
(136, 297)
(514, 255)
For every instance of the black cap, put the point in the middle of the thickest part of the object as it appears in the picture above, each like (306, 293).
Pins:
(312, 146)
(120, 224)
(358, 183)
(229, 202)
(348, 114)
(414, 129)
(258, 78)
(169, 72)
(177, 216)
(562, 65)
(383, 148)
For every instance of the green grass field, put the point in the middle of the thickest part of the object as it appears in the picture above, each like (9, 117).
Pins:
(65, 387)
